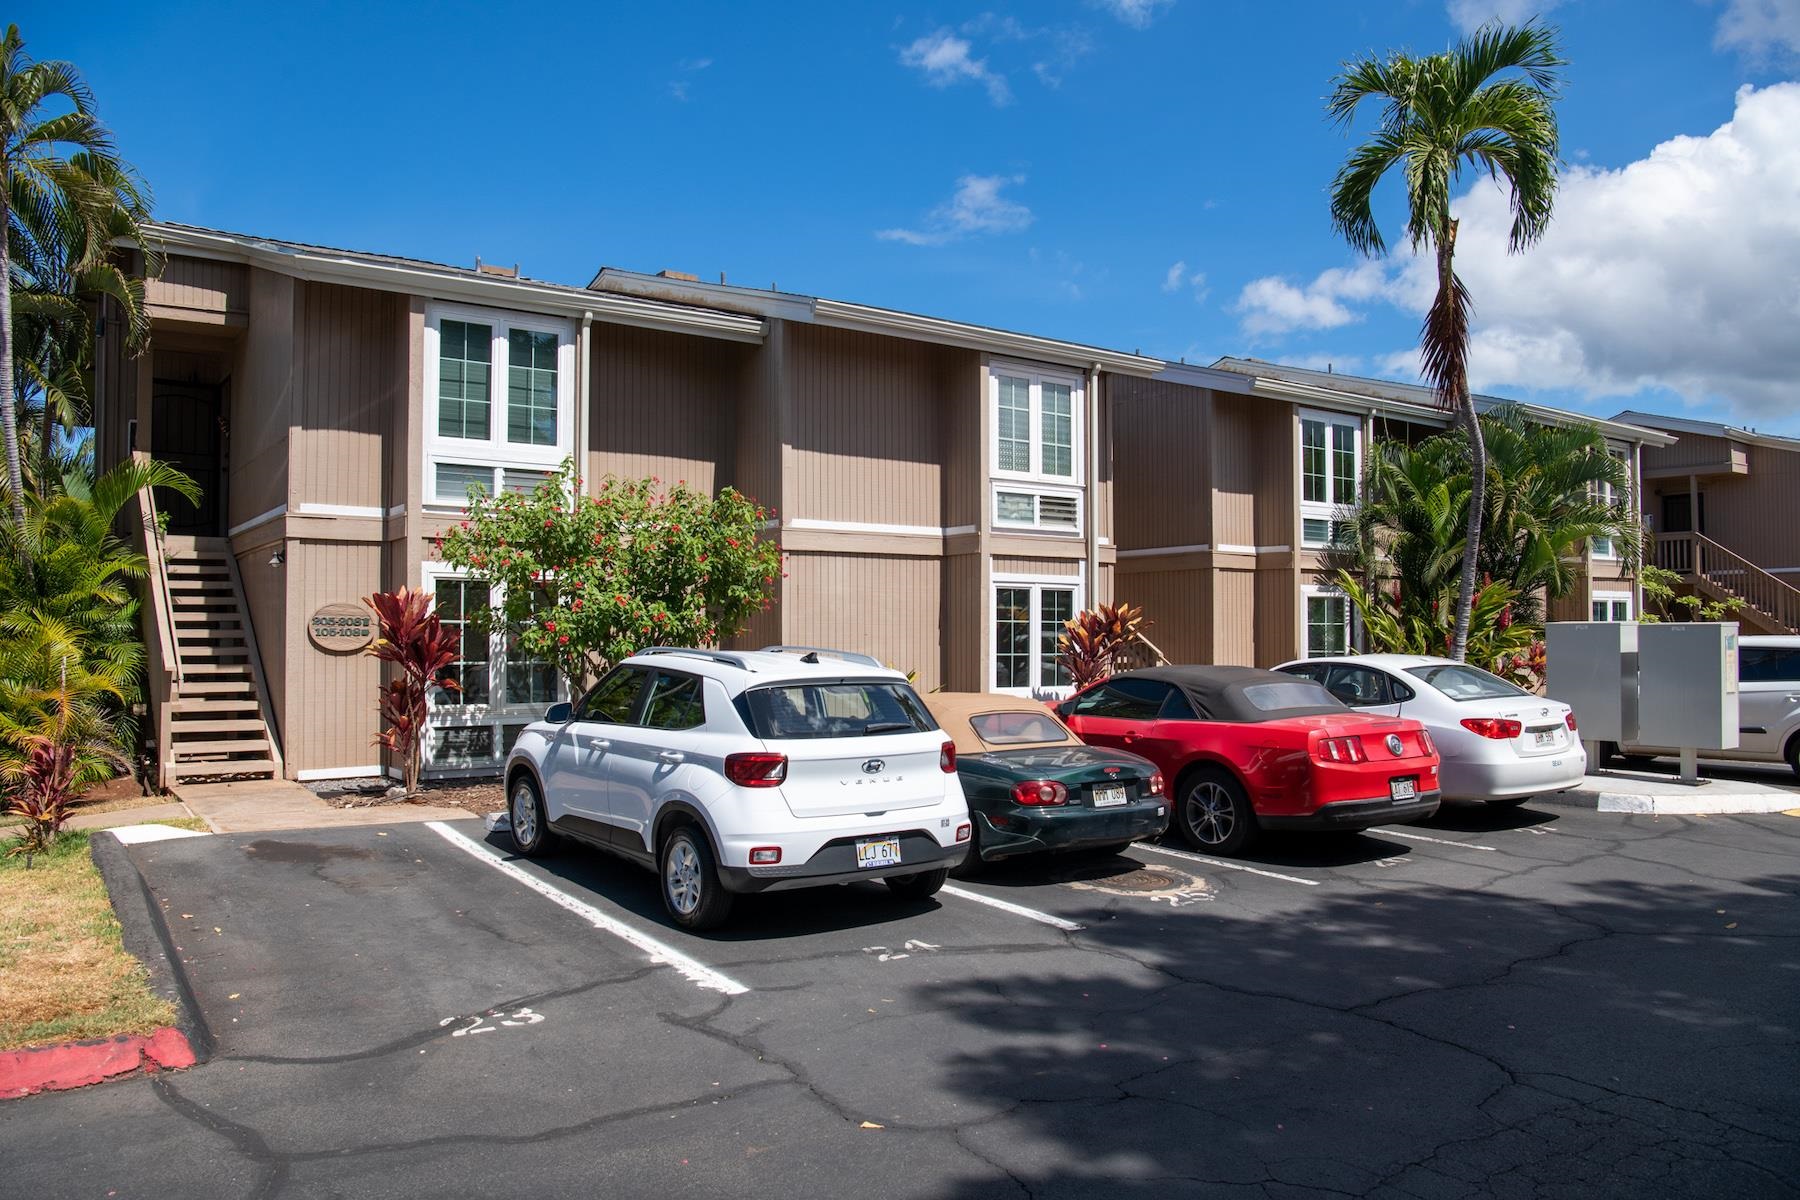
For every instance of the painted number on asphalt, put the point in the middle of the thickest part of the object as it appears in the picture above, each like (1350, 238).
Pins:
(492, 1020)
(883, 954)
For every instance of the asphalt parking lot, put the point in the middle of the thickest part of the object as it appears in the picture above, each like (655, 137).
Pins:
(1518, 1002)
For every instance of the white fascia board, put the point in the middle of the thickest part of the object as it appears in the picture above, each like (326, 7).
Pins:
(1211, 378)
(887, 322)
(521, 295)
(729, 296)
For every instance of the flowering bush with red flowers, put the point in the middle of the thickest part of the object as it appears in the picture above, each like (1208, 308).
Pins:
(589, 579)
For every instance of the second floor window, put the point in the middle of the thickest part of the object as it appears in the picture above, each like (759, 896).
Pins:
(1330, 467)
(1036, 450)
(499, 400)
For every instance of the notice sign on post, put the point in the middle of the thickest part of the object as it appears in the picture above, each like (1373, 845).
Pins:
(341, 628)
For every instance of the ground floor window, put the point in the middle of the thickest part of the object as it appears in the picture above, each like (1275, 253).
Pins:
(500, 689)
(1028, 620)
(1610, 606)
(1327, 616)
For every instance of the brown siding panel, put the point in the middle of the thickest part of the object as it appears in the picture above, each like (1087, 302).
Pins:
(1161, 492)
(887, 607)
(262, 404)
(349, 376)
(663, 405)
(201, 285)
(336, 692)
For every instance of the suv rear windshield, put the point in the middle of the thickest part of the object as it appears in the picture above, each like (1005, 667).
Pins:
(787, 711)
(1460, 682)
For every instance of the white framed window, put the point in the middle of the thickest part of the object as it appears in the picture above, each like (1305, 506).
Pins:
(1028, 617)
(1609, 606)
(1330, 475)
(1036, 453)
(1325, 622)
(1605, 493)
(1056, 510)
(500, 688)
(499, 401)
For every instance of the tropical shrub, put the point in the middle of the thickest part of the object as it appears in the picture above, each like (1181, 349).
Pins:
(587, 580)
(1095, 643)
(1662, 602)
(1399, 622)
(410, 637)
(65, 740)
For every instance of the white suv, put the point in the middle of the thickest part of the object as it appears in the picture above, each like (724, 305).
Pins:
(730, 772)
(1768, 705)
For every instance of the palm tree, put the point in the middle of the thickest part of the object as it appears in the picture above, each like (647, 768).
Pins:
(56, 174)
(1443, 113)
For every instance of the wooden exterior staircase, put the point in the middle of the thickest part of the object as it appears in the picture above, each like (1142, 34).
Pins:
(1769, 603)
(208, 695)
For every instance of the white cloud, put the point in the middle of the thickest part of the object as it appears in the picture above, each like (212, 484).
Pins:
(946, 59)
(1680, 271)
(1470, 15)
(1136, 13)
(1178, 274)
(678, 88)
(976, 207)
(1762, 30)
(1273, 305)
(1173, 279)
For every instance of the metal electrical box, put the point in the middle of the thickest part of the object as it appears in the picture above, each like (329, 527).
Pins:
(1592, 666)
(1688, 685)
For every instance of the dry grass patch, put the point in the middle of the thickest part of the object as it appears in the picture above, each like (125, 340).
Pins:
(64, 972)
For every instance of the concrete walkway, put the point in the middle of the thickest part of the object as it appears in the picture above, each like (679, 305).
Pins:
(262, 805)
(115, 818)
(1659, 794)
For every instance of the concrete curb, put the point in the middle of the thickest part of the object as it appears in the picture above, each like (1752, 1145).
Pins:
(1619, 798)
(146, 936)
(78, 1064)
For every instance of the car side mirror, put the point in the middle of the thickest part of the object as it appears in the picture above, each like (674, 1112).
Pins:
(559, 714)
(1066, 709)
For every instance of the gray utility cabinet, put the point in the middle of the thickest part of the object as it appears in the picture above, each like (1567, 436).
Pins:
(1593, 668)
(1688, 685)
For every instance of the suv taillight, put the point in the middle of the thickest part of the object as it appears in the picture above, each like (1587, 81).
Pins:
(1038, 793)
(947, 758)
(1499, 728)
(758, 770)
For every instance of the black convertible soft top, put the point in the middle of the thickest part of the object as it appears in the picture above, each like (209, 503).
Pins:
(1245, 693)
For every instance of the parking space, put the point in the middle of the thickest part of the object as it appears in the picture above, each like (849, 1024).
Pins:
(1529, 995)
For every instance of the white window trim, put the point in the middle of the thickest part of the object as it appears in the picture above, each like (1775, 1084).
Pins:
(495, 714)
(1000, 525)
(1310, 591)
(1609, 599)
(495, 450)
(1038, 376)
(1606, 495)
(1327, 510)
(1037, 583)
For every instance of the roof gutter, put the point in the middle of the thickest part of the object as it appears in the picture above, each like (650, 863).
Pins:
(842, 315)
(1361, 402)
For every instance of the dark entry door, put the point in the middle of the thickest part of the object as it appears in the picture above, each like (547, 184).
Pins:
(1678, 515)
(185, 433)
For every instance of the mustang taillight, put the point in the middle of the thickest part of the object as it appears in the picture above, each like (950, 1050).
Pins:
(1570, 720)
(1425, 741)
(1342, 749)
(1155, 786)
(1040, 793)
(947, 758)
(757, 770)
(1501, 729)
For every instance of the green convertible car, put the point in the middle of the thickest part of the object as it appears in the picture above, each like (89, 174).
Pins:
(1032, 786)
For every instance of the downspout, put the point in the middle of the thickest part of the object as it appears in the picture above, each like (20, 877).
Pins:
(1093, 476)
(1646, 552)
(584, 374)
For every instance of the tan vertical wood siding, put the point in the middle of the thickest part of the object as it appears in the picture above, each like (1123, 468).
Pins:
(963, 391)
(866, 429)
(348, 380)
(200, 285)
(1061, 568)
(1274, 449)
(262, 405)
(757, 432)
(1162, 487)
(964, 612)
(1276, 623)
(336, 693)
(663, 405)
(1178, 605)
(265, 595)
(1756, 514)
(887, 607)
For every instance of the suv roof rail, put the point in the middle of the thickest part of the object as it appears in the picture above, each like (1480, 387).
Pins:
(847, 655)
(718, 656)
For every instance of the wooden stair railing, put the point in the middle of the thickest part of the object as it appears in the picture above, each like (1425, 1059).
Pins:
(1698, 558)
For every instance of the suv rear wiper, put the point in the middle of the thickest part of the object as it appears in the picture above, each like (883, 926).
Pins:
(888, 727)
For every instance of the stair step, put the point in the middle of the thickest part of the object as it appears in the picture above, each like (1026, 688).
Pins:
(203, 668)
(220, 747)
(245, 688)
(221, 725)
(213, 704)
(198, 639)
(262, 768)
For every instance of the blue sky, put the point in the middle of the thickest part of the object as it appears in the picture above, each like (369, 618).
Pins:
(1135, 173)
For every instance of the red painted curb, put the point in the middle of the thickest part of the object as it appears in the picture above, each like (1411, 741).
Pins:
(77, 1064)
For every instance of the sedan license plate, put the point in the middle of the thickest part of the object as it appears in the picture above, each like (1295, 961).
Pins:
(1403, 789)
(877, 852)
(1109, 797)
(1543, 737)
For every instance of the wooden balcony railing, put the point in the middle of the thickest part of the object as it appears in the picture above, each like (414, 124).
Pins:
(1697, 557)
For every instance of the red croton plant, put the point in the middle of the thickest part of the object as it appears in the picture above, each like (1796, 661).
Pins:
(1100, 641)
(412, 638)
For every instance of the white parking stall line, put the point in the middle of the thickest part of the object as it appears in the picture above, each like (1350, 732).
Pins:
(1419, 837)
(1219, 862)
(1018, 910)
(663, 955)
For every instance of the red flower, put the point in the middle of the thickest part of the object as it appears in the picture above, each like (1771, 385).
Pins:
(659, 618)
(563, 640)
(621, 601)
(732, 542)
(577, 605)
(550, 625)
(548, 522)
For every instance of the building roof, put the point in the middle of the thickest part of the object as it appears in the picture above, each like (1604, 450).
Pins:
(387, 272)
(841, 314)
(1773, 441)
(1413, 401)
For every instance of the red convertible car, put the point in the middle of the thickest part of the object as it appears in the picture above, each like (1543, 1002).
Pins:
(1247, 750)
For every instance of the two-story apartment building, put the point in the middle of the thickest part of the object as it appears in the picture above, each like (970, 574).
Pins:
(1231, 480)
(1721, 504)
(943, 491)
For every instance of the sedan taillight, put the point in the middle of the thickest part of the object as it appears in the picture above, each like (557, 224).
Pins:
(1039, 793)
(759, 770)
(1155, 786)
(1501, 729)
(1570, 720)
(1342, 750)
(947, 758)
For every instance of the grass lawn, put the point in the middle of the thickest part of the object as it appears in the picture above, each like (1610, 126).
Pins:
(64, 974)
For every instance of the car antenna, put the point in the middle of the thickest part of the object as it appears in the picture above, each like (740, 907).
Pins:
(810, 657)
